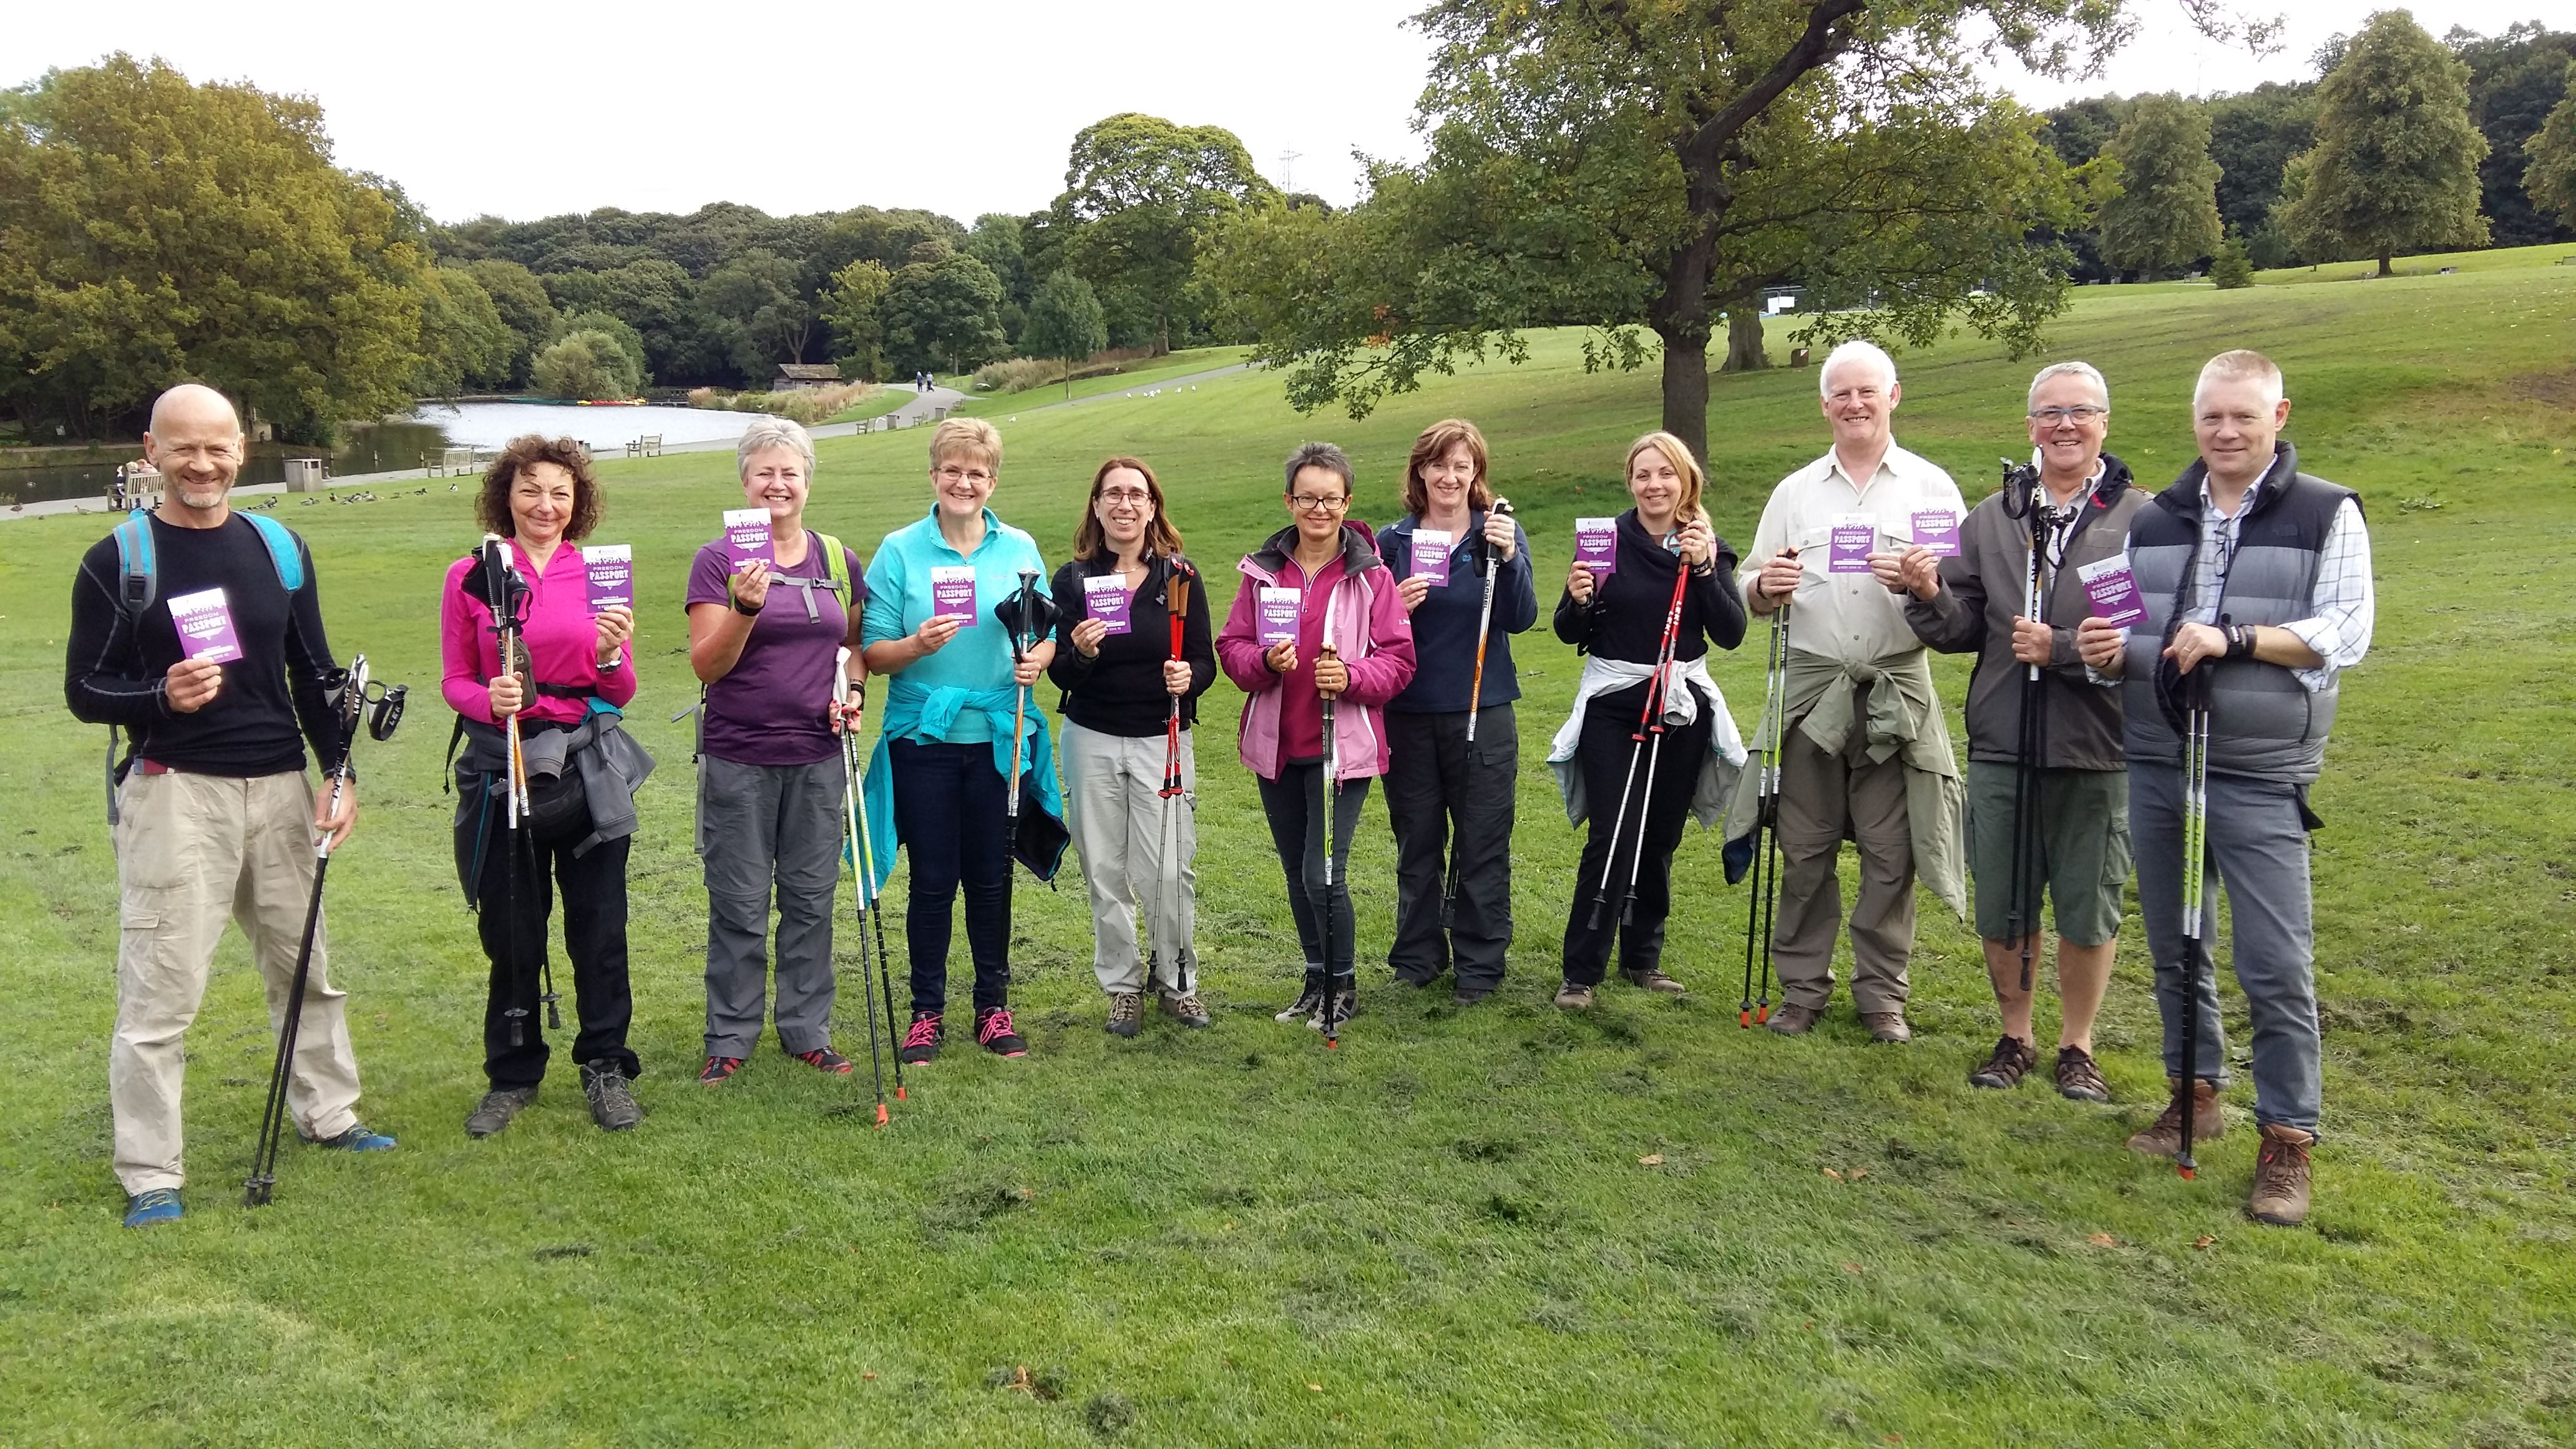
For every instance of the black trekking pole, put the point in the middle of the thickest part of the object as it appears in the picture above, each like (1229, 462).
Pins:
(870, 892)
(1766, 824)
(1475, 705)
(1023, 637)
(1650, 716)
(855, 698)
(2023, 892)
(382, 712)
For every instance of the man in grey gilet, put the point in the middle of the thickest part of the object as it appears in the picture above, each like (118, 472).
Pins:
(2261, 573)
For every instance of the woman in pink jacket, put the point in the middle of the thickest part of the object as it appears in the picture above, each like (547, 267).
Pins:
(1317, 615)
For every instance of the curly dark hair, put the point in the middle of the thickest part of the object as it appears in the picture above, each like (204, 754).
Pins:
(493, 507)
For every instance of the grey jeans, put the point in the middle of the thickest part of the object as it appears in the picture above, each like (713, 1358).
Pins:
(1114, 806)
(2259, 850)
(759, 825)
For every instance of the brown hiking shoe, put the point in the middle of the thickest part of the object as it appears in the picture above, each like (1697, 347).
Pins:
(1574, 996)
(2280, 1195)
(1126, 1013)
(2003, 1071)
(1887, 1026)
(1651, 979)
(2079, 1079)
(1791, 1019)
(2164, 1137)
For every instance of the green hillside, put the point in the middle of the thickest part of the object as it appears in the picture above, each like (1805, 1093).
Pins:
(1501, 1226)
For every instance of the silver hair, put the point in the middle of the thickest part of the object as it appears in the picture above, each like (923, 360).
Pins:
(1857, 350)
(768, 432)
(1320, 455)
(2084, 370)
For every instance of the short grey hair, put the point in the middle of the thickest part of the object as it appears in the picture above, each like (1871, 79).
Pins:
(768, 432)
(1320, 455)
(2084, 370)
(1859, 349)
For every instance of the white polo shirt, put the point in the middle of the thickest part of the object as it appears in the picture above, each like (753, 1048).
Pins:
(1851, 618)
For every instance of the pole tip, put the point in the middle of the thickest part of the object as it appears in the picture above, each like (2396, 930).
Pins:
(2189, 1173)
(1744, 1018)
(881, 1114)
(900, 1096)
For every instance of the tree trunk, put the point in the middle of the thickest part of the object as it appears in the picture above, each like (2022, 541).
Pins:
(1744, 339)
(2383, 264)
(1686, 390)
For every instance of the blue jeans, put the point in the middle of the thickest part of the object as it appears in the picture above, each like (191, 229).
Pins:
(951, 809)
(2259, 850)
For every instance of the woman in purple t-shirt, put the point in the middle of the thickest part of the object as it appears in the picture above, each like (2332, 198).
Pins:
(765, 628)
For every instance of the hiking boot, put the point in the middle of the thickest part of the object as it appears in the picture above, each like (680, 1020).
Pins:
(158, 1205)
(993, 1033)
(1344, 1003)
(2079, 1078)
(2164, 1137)
(718, 1071)
(1126, 1014)
(1791, 1019)
(1574, 996)
(612, 1098)
(1887, 1026)
(2280, 1195)
(1469, 995)
(921, 1039)
(1308, 1000)
(2003, 1071)
(1652, 979)
(497, 1108)
(358, 1138)
(1186, 1008)
(827, 1061)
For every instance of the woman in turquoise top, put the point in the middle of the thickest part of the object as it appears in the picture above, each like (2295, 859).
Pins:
(945, 754)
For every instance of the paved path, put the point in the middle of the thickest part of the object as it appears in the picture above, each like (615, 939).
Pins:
(916, 410)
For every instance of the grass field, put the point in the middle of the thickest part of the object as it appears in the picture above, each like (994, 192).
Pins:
(1501, 1226)
(1145, 375)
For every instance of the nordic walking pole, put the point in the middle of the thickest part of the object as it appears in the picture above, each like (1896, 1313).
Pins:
(874, 912)
(2195, 844)
(848, 730)
(1766, 824)
(1332, 793)
(349, 700)
(1484, 626)
(2023, 894)
(1167, 912)
(501, 590)
(1021, 638)
(1651, 714)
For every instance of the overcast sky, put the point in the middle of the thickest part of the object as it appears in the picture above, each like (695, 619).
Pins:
(530, 109)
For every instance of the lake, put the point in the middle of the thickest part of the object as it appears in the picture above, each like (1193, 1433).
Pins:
(397, 444)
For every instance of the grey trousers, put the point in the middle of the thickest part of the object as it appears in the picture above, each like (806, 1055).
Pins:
(1114, 806)
(1823, 799)
(2259, 851)
(759, 825)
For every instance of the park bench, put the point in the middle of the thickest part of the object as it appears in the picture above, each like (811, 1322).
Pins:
(647, 446)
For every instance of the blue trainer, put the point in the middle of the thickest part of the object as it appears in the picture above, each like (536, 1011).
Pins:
(359, 1138)
(160, 1205)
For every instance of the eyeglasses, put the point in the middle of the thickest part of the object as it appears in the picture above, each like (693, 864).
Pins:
(1317, 503)
(1126, 495)
(2053, 416)
(964, 475)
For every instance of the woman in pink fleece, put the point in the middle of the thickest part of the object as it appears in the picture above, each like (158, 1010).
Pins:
(1334, 627)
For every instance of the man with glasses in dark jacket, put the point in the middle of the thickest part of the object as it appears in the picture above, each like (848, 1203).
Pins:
(2076, 501)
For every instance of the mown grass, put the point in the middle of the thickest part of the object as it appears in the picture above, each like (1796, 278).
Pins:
(1145, 374)
(1447, 1232)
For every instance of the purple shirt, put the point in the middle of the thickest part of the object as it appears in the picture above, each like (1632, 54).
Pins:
(768, 709)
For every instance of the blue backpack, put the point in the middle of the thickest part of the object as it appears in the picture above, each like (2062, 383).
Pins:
(139, 572)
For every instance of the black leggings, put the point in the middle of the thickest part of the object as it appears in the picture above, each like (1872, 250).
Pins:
(1294, 804)
(1609, 729)
(951, 809)
(513, 908)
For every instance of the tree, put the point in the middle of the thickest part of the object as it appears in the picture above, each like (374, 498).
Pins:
(609, 325)
(996, 242)
(2514, 80)
(942, 308)
(152, 230)
(1651, 165)
(1140, 192)
(849, 308)
(524, 307)
(1064, 323)
(2166, 215)
(753, 303)
(2395, 167)
(2233, 267)
(2550, 178)
(2252, 137)
(586, 365)
(463, 341)
(651, 297)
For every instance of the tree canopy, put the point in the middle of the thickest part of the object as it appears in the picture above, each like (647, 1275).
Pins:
(2395, 166)
(1065, 322)
(2549, 175)
(2166, 213)
(942, 309)
(1141, 195)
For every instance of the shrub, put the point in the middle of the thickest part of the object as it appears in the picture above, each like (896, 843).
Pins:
(808, 406)
(1017, 374)
(585, 365)
(2232, 267)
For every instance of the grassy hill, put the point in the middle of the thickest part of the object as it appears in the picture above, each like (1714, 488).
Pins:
(1502, 1226)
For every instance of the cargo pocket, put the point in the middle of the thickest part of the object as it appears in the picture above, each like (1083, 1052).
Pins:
(2116, 853)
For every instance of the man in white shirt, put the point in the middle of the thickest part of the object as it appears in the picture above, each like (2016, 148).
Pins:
(1866, 752)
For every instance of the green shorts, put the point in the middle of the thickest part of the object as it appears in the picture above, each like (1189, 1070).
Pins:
(2083, 849)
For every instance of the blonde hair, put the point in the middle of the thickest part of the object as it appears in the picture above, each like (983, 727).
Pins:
(1677, 453)
(1434, 444)
(972, 436)
(2243, 364)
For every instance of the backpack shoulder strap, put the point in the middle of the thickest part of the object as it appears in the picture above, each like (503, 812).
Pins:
(836, 564)
(281, 549)
(139, 571)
